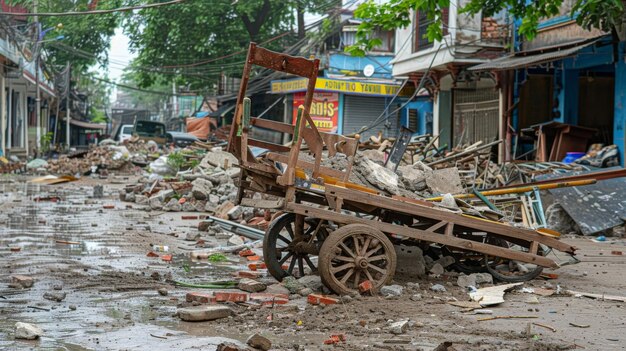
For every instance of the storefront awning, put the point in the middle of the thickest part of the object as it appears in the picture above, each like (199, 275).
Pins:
(88, 125)
(355, 87)
(535, 57)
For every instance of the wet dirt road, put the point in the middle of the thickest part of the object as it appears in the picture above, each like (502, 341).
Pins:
(97, 256)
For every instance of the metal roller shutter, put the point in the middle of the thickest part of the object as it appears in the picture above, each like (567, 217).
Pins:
(362, 111)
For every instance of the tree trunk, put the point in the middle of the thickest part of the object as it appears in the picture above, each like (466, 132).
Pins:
(254, 27)
(300, 9)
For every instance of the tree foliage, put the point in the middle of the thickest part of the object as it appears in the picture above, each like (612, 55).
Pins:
(602, 14)
(169, 42)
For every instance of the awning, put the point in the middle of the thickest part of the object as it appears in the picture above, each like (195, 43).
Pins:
(222, 111)
(534, 57)
(88, 125)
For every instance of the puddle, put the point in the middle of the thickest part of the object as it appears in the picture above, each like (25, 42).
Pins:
(99, 257)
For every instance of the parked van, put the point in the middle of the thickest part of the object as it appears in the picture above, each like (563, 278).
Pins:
(149, 130)
(126, 132)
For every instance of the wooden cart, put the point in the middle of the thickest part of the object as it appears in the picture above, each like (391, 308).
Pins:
(347, 232)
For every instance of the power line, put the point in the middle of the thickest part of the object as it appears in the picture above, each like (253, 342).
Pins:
(94, 12)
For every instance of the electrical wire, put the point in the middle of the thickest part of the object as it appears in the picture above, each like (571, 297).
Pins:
(93, 12)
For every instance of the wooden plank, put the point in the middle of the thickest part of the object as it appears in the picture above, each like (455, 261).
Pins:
(534, 247)
(465, 221)
(449, 229)
(284, 63)
(419, 234)
(273, 125)
(436, 226)
(267, 145)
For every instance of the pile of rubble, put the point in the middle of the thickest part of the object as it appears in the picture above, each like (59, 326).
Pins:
(209, 187)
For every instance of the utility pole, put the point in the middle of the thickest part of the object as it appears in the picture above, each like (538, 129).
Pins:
(67, 106)
(37, 88)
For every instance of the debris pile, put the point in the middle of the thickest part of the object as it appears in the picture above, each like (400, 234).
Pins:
(209, 187)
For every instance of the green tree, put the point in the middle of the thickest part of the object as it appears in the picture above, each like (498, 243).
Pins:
(607, 15)
(169, 43)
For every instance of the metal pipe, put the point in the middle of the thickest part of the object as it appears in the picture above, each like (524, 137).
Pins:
(522, 189)
(237, 228)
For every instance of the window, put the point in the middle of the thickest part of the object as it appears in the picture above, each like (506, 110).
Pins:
(422, 22)
(387, 37)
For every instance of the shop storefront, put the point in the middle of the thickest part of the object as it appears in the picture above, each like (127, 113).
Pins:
(348, 106)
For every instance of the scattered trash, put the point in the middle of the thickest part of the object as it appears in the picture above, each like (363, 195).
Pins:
(493, 295)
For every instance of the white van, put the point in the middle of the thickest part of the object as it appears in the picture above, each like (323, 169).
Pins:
(126, 132)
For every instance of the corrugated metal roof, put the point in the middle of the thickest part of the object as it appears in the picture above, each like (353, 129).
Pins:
(523, 59)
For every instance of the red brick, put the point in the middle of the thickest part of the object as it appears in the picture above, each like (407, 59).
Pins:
(256, 266)
(223, 296)
(167, 258)
(108, 207)
(617, 253)
(316, 299)
(246, 253)
(249, 274)
(200, 297)
(253, 258)
(152, 254)
(365, 286)
(269, 299)
(189, 217)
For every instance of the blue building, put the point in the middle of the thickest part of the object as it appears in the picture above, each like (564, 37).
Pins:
(567, 75)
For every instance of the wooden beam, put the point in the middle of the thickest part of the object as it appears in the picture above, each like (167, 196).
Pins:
(273, 125)
(476, 224)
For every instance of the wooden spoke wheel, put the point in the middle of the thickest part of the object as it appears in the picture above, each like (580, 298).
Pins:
(353, 254)
(287, 251)
(510, 271)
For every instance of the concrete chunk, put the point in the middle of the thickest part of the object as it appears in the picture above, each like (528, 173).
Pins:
(259, 342)
(27, 331)
(391, 290)
(398, 328)
(23, 280)
(251, 285)
(54, 296)
(203, 313)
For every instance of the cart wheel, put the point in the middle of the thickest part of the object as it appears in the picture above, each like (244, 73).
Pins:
(511, 271)
(282, 251)
(355, 253)
(470, 262)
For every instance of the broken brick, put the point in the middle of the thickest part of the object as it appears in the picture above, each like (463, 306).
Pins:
(108, 207)
(316, 299)
(249, 274)
(222, 296)
(256, 266)
(365, 286)
(167, 258)
(617, 253)
(200, 297)
(269, 299)
(189, 217)
(246, 253)
(152, 254)
(253, 258)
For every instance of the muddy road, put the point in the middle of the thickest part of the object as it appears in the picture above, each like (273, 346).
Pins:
(93, 250)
